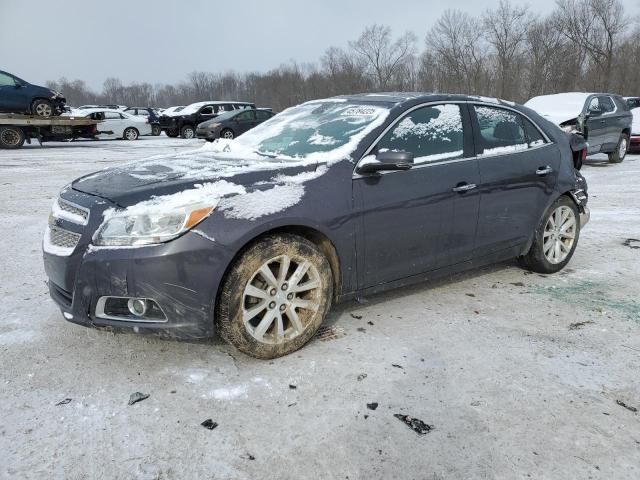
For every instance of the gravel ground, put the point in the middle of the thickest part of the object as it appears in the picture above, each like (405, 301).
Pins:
(519, 374)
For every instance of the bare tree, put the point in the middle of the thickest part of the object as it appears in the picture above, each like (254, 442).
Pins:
(505, 30)
(597, 26)
(382, 55)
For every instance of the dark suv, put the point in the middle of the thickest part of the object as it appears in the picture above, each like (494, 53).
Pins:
(150, 114)
(18, 96)
(256, 237)
(185, 122)
(603, 119)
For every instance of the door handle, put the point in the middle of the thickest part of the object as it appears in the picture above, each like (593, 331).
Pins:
(542, 171)
(464, 187)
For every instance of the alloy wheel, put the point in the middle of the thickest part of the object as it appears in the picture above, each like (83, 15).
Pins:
(280, 299)
(43, 110)
(622, 149)
(228, 134)
(559, 234)
(131, 134)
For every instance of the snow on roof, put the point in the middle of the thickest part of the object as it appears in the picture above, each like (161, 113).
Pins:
(194, 107)
(560, 107)
(635, 126)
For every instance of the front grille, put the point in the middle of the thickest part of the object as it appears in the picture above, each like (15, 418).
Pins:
(73, 210)
(63, 238)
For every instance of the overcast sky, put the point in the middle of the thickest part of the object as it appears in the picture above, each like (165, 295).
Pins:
(161, 41)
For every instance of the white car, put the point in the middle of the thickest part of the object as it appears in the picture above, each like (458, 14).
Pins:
(118, 124)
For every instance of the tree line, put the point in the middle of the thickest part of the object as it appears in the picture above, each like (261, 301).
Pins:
(507, 52)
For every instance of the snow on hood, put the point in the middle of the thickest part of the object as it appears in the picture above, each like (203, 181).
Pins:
(560, 107)
(635, 126)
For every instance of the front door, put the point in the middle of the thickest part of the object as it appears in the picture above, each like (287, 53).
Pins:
(596, 125)
(421, 219)
(518, 173)
(244, 121)
(12, 97)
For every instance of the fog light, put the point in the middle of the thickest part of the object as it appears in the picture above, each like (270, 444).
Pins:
(137, 306)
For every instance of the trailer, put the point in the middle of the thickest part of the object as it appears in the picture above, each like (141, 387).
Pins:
(16, 129)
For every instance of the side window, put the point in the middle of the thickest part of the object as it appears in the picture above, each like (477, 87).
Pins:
(606, 104)
(534, 136)
(6, 81)
(501, 131)
(208, 110)
(112, 115)
(245, 116)
(594, 105)
(262, 115)
(430, 133)
(143, 113)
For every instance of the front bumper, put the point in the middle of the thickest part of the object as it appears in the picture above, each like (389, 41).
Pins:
(182, 276)
(585, 216)
(207, 134)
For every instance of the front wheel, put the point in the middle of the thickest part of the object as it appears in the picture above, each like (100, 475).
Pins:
(130, 133)
(187, 132)
(621, 149)
(228, 134)
(155, 130)
(42, 108)
(275, 296)
(172, 132)
(555, 239)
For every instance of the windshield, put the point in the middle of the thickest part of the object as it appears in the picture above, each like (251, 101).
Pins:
(318, 130)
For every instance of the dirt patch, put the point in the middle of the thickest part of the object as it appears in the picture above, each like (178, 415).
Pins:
(330, 333)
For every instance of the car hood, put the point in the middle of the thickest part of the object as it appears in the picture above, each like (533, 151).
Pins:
(139, 181)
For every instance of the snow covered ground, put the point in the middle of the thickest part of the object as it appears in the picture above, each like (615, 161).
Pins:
(518, 373)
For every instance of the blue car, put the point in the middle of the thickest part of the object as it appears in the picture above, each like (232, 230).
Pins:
(19, 96)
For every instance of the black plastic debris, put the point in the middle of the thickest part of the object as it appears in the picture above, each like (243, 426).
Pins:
(370, 322)
(248, 456)
(63, 402)
(579, 325)
(357, 317)
(632, 243)
(628, 407)
(414, 424)
(292, 387)
(362, 330)
(137, 397)
(209, 424)
(372, 405)
(362, 376)
(469, 294)
(397, 366)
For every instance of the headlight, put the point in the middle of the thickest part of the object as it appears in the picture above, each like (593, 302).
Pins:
(133, 227)
(213, 125)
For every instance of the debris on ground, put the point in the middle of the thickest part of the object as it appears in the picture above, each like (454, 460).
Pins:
(248, 456)
(397, 366)
(475, 403)
(357, 317)
(370, 322)
(292, 387)
(579, 325)
(137, 397)
(517, 284)
(628, 407)
(329, 333)
(292, 404)
(63, 402)
(362, 376)
(414, 424)
(209, 424)
(372, 405)
(361, 329)
(469, 294)
(632, 243)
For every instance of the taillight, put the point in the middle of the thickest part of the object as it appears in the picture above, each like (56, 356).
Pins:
(583, 154)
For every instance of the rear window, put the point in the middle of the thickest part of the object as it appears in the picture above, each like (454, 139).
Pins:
(504, 131)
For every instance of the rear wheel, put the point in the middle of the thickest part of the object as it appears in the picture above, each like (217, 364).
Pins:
(187, 132)
(155, 130)
(227, 133)
(555, 239)
(11, 137)
(42, 108)
(130, 133)
(621, 149)
(275, 296)
(172, 132)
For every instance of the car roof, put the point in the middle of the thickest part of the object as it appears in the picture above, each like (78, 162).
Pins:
(94, 110)
(418, 97)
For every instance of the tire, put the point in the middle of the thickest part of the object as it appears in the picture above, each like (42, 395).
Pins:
(560, 238)
(275, 299)
(130, 133)
(173, 133)
(188, 132)
(11, 137)
(42, 108)
(156, 130)
(227, 134)
(621, 149)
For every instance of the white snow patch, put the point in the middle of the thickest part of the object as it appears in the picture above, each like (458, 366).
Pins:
(262, 202)
(635, 127)
(202, 234)
(16, 337)
(501, 150)
(230, 393)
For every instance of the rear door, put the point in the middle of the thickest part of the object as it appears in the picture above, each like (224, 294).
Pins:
(261, 116)
(421, 219)
(114, 122)
(518, 173)
(244, 121)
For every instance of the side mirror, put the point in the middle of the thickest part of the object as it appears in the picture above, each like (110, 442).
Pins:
(386, 161)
